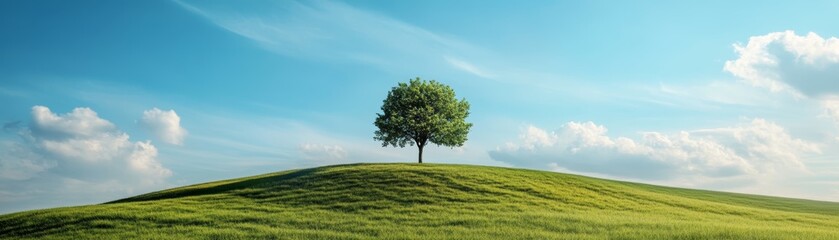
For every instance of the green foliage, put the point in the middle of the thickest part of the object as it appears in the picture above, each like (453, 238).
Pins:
(419, 112)
(430, 201)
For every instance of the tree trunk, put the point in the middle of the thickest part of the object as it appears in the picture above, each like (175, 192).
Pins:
(420, 152)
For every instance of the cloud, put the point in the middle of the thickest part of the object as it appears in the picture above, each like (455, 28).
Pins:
(332, 30)
(80, 148)
(81, 122)
(19, 163)
(714, 94)
(806, 66)
(166, 125)
(80, 143)
(323, 153)
(831, 107)
(751, 149)
(784, 61)
(143, 160)
(468, 67)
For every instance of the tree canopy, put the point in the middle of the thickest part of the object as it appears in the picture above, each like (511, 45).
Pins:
(419, 112)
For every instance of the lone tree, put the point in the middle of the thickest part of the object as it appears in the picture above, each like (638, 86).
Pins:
(421, 111)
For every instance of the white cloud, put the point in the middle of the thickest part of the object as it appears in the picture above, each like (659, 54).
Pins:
(714, 94)
(83, 143)
(166, 125)
(806, 66)
(831, 108)
(468, 67)
(532, 137)
(784, 61)
(81, 122)
(103, 147)
(143, 161)
(766, 145)
(323, 153)
(18, 163)
(80, 148)
(751, 149)
(332, 30)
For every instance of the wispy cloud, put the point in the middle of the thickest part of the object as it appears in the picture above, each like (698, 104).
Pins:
(12, 92)
(333, 30)
(468, 67)
(708, 96)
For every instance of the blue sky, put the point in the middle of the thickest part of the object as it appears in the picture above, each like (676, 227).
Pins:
(109, 99)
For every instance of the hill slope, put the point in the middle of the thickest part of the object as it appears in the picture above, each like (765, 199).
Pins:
(401, 201)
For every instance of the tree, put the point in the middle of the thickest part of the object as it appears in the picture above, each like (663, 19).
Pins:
(420, 112)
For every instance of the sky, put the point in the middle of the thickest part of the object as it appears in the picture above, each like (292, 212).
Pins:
(101, 100)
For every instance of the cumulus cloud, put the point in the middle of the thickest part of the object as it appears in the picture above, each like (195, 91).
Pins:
(806, 66)
(81, 148)
(753, 148)
(81, 140)
(166, 125)
(782, 61)
(143, 159)
(80, 123)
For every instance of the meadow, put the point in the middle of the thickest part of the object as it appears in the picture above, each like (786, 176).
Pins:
(430, 201)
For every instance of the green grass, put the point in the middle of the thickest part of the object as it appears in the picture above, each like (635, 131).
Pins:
(431, 201)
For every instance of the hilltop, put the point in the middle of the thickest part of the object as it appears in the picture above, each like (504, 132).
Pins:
(431, 201)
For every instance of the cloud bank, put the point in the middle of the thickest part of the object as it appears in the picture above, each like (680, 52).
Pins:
(166, 125)
(76, 150)
(753, 148)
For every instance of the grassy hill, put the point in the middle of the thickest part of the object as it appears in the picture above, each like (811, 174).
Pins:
(431, 201)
